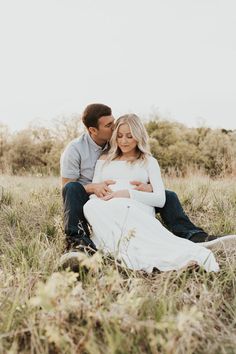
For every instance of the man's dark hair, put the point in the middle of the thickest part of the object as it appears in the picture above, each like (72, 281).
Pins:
(93, 112)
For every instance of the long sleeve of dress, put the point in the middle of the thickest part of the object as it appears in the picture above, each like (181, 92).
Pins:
(156, 198)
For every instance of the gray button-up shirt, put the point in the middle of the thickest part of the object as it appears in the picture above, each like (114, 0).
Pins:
(79, 159)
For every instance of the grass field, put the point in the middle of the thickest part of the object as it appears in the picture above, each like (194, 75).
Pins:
(104, 309)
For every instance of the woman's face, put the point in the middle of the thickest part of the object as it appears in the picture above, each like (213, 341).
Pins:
(125, 140)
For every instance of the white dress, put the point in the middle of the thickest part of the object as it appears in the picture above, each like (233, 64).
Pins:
(127, 227)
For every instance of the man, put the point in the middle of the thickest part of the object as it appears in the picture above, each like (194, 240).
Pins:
(77, 169)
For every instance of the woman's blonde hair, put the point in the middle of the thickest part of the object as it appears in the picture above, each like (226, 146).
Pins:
(138, 132)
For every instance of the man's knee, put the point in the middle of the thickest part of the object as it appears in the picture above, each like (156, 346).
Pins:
(73, 188)
(171, 196)
(172, 200)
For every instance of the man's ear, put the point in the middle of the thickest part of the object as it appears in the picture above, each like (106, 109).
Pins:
(92, 130)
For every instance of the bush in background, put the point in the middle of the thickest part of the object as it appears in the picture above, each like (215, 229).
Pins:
(179, 149)
(183, 149)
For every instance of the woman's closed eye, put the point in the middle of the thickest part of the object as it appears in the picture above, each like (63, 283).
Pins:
(127, 136)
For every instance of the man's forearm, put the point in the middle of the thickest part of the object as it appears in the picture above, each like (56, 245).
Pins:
(89, 188)
(100, 189)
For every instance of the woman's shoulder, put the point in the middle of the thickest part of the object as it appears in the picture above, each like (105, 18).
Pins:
(152, 160)
(102, 157)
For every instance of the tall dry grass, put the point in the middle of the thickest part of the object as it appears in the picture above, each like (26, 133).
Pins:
(103, 309)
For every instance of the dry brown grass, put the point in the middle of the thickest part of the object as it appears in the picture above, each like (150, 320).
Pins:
(103, 309)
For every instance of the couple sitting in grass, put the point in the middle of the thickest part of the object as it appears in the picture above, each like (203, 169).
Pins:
(112, 190)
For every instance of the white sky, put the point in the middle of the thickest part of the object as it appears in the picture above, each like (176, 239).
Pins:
(174, 57)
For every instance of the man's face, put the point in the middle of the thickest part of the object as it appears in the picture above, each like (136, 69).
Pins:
(105, 128)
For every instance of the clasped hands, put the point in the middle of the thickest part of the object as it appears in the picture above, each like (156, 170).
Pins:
(102, 190)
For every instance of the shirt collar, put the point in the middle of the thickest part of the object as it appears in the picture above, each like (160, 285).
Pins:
(96, 146)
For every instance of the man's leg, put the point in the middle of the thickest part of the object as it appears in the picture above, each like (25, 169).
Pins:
(177, 221)
(76, 227)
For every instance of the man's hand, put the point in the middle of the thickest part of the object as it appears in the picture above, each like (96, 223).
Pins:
(142, 187)
(124, 193)
(102, 189)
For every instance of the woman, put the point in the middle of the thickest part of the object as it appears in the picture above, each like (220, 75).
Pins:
(123, 222)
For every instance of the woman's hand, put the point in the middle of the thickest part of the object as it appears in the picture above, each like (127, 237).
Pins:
(142, 187)
(124, 193)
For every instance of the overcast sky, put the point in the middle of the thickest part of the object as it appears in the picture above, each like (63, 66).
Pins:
(173, 57)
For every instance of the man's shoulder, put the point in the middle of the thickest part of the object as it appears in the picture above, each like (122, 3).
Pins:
(80, 140)
(77, 143)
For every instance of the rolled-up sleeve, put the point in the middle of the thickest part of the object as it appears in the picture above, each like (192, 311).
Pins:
(70, 162)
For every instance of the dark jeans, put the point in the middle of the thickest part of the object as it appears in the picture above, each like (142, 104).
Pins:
(74, 197)
(172, 214)
(175, 218)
